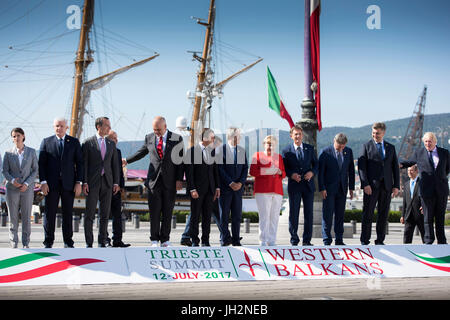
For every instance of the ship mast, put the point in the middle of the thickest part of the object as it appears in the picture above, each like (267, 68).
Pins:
(196, 125)
(80, 65)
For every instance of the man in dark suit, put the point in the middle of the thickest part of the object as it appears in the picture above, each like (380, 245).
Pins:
(202, 179)
(336, 178)
(61, 177)
(412, 215)
(164, 177)
(301, 165)
(380, 178)
(101, 180)
(116, 201)
(433, 164)
(233, 169)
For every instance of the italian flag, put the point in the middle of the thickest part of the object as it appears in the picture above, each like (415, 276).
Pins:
(315, 54)
(275, 102)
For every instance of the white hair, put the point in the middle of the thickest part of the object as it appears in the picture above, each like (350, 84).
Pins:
(59, 119)
(233, 132)
(430, 135)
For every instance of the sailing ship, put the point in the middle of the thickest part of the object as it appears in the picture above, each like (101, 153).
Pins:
(135, 195)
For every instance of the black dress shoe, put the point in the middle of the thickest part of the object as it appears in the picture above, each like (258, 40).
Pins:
(307, 244)
(48, 246)
(365, 243)
(206, 244)
(226, 243)
(121, 245)
(339, 243)
(186, 242)
(194, 244)
(237, 244)
(379, 243)
(68, 246)
(104, 245)
(89, 246)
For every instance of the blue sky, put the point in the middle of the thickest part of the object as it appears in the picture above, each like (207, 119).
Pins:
(367, 75)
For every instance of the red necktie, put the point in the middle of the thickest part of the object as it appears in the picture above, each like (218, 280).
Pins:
(159, 148)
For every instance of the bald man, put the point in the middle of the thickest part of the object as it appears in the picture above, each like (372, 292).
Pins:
(434, 167)
(164, 177)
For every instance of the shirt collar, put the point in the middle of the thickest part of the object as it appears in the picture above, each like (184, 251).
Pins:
(58, 138)
(296, 146)
(17, 150)
(99, 136)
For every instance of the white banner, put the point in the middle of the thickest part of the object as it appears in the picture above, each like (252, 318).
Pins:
(74, 267)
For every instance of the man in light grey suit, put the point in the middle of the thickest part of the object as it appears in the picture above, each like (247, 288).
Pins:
(20, 168)
(101, 179)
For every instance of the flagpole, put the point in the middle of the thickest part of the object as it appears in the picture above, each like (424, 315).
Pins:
(309, 119)
(307, 52)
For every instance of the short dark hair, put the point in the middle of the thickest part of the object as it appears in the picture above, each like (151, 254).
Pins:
(99, 121)
(19, 130)
(379, 125)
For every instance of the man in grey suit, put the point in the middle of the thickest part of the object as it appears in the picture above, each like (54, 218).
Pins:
(164, 177)
(101, 179)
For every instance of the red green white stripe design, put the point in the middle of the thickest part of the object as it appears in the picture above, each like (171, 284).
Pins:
(275, 102)
(41, 271)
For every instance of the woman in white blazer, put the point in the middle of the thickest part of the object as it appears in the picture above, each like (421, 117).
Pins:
(20, 168)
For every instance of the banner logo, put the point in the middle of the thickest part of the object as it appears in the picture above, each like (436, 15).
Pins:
(436, 263)
(249, 264)
(41, 271)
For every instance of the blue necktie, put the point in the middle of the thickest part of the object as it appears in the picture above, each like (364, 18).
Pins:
(340, 160)
(413, 182)
(60, 148)
(299, 154)
(380, 150)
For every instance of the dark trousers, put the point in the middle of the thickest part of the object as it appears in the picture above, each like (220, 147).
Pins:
(215, 216)
(230, 201)
(102, 193)
(434, 212)
(201, 207)
(51, 207)
(116, 214)
(334, 204)
(160, 203)
(295, 199)
(381, 199)
(410, 225)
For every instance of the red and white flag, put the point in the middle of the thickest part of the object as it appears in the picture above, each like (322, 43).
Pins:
(315, 53)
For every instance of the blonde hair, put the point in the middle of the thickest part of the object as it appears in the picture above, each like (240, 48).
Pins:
(430, 135)
(271, 139)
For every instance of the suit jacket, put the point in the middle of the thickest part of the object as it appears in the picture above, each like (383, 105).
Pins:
(432, 181)
(411, 206)
(293, 165)
(52, 166)
(25, 173)
(373, 169)
(230, 171)
(170, 167)
(200, 175)
(93, 163)
(121, 175)
(331, 178)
